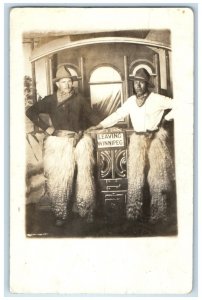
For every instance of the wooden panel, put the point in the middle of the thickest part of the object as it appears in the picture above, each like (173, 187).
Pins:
(113, 184)
(115, 207)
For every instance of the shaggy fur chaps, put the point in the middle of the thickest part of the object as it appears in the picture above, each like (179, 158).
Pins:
(60, 161)
(149, 161)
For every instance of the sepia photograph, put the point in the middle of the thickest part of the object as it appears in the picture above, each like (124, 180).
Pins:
(104, 144)
(99, 133)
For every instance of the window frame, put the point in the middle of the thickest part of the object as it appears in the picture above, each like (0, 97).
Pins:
(125, 120)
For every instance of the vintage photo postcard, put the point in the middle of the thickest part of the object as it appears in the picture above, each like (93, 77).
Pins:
(101, 103)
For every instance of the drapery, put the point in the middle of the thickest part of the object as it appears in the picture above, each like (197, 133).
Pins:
(106, 98)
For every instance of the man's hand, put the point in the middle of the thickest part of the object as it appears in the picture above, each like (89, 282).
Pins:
(92, 128)
(169, 116)
(50, 130)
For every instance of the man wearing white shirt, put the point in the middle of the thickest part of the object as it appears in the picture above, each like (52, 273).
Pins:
(149, 160)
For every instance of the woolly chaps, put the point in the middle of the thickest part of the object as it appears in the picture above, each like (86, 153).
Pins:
(149, 161)
(60, 161)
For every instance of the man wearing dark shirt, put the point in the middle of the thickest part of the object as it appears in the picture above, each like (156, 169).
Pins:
(66, 147)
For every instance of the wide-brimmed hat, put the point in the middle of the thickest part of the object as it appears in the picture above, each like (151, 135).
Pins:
(63, 72)
(142, 74)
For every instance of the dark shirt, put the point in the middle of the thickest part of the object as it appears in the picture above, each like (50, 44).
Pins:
(70, 114)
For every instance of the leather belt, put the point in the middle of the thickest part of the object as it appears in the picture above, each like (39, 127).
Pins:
(70, 134)
(147, 133)
(63, 133)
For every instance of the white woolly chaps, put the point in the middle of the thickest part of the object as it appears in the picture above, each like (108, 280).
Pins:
(149, 160)
(60, 160)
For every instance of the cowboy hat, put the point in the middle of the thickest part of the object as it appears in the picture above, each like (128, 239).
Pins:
(143, 75)
(63, 72)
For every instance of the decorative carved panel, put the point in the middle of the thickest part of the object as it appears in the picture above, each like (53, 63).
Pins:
(112, 173)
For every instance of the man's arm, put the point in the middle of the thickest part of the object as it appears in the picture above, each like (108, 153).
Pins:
(169, 116)
(169, 104)
(117, 116)
(33, 113)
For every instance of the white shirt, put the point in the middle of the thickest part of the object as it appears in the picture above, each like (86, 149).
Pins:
(146, 117)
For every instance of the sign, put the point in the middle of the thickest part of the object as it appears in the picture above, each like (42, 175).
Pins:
(110, 140)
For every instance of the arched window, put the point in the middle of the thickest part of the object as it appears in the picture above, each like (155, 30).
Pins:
(105, 90)
(149, 69)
